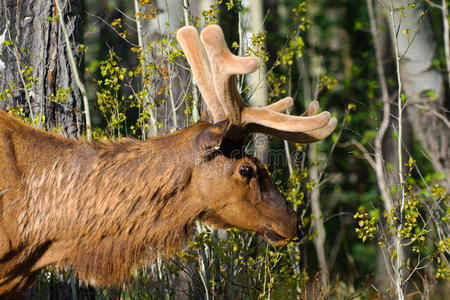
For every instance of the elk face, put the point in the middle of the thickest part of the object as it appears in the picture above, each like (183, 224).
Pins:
(237, 191)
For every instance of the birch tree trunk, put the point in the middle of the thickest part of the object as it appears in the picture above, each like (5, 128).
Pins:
(170, 112)
(253, 23)
(423, 84)
(34, 63)
(319, 240)
(315, 71)
(385, 144)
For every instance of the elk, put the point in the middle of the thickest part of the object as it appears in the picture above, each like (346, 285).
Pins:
(104, 208)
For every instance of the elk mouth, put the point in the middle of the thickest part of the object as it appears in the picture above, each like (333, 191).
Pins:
(273, 237)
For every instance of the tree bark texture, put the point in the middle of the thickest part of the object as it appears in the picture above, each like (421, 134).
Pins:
(38, 42)
(257, 81)
(171, 105)
(320, 239)
(423, 84)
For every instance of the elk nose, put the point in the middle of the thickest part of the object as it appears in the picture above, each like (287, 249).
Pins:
(300, 230)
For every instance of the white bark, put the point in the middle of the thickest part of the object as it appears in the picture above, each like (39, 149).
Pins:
(319, 240)
(445, 24)
(422, 83)
(170, 113)
(170, 16)
(315, 72)
(384, 182)
(417, 52)
(398, 260)
(253, 23)
(257, 80)
(198, 6)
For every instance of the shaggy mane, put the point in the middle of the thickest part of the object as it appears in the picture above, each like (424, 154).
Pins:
(71, 202)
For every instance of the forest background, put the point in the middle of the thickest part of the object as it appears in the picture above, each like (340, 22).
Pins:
(373, 196)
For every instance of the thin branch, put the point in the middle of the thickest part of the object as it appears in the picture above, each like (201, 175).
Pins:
(113, 29)
(432, 4)
(341, 129)
(435, 113)
(125, 15)
(410, 42)
(399, 256)
(365, 153)
(195, 96)
(74, 68)
(446, 33)
(19, 71)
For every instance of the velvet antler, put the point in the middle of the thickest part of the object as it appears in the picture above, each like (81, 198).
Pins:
(215, 69)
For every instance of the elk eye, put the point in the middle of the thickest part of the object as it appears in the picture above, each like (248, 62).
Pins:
(246, 171)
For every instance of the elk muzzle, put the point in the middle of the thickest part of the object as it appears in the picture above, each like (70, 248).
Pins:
(280, 233)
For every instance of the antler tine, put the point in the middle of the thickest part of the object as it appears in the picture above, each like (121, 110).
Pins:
(307, 128)
(246, 119)
(296, 136)
(302, 137)
(283, 122)
(285, 103)
(281, 105)
(308, 137)
(312, 109)
(225, 66)
(224, 100)
(190, 43)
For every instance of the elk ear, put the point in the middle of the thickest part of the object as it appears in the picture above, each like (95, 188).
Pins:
(210, 139)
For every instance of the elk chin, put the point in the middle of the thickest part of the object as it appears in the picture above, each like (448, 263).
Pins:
(274, 238)
(280, 236)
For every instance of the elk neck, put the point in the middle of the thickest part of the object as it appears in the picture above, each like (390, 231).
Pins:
(112, 202)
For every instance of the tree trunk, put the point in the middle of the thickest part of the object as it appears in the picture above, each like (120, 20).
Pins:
(36, 79)
(320, 238)
(252, 22)
(171, 104)
(423, 84)
(314, 72)
(385, 145)
(34, 67)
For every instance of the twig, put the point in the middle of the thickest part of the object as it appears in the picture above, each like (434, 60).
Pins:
(437, 114)
(432, 4)
(399, 257)
(115, 30)
(43, 66)
(379, 162)
(73, 66)
(341, 130)
(125, 15)
(365, 153)
(27, 94)
(446, 32)
(195, 97)
(146, 105)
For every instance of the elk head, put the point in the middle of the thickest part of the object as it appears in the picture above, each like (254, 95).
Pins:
(247, 198)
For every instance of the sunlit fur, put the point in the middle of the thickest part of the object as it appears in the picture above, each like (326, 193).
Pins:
(105, 208)
(118, 198)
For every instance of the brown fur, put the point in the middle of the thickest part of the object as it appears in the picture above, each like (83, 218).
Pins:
(105, 208)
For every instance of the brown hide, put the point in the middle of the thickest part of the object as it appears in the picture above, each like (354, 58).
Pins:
(105, 208)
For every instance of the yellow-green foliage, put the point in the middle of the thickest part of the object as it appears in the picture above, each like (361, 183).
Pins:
(235, 264)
